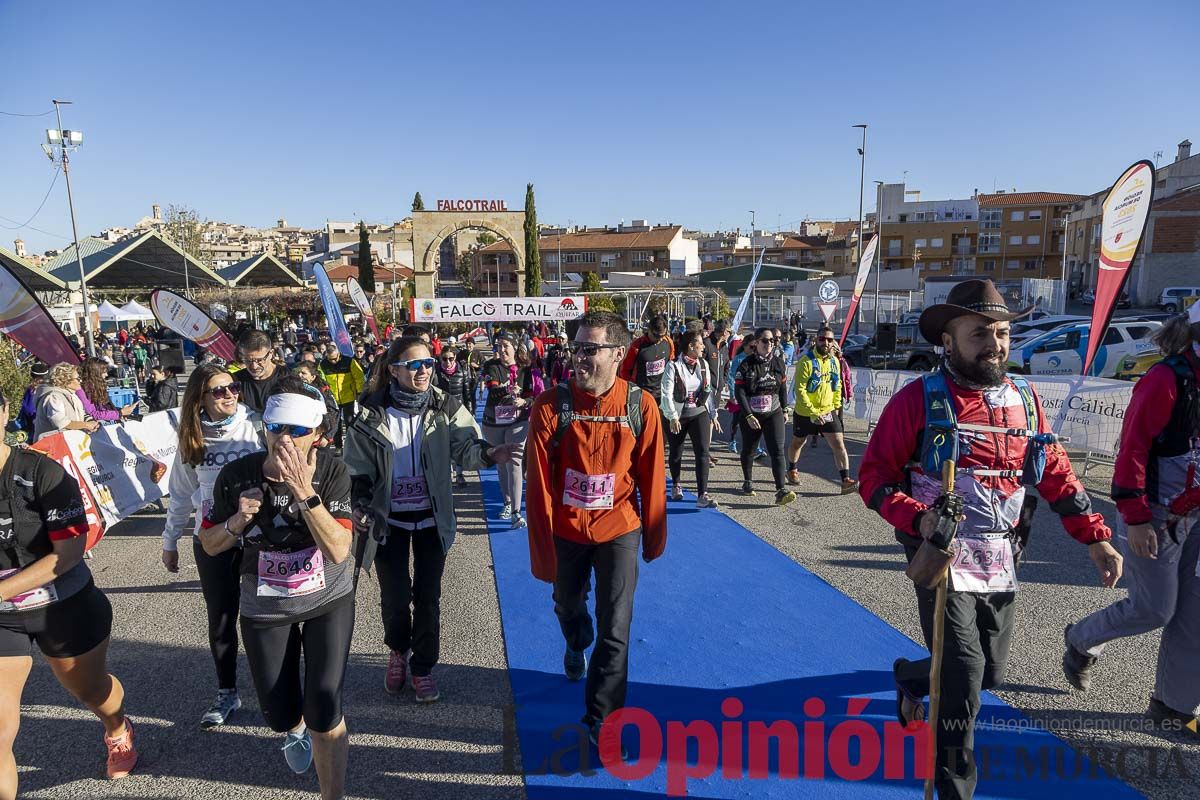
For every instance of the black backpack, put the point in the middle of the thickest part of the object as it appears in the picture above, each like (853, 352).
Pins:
(566, 413)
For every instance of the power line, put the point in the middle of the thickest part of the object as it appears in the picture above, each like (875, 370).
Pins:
(42, 205)
(15, 114)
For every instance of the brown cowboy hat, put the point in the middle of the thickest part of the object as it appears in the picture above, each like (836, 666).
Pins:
(978, 297)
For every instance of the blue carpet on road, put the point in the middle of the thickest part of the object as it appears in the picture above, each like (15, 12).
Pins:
(724, 614)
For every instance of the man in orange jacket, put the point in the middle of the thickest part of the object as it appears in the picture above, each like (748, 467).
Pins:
(595, 490)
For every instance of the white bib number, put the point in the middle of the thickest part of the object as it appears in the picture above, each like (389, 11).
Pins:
(983, 563)
(506, 414)
(588, 491)
(34, 598)
(410, 491)
(656, 367)
(291, 574)
(761, 403)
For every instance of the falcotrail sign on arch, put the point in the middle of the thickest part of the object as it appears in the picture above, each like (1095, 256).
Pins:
(497, 309)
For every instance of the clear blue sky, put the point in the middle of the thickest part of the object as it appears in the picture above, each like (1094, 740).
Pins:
(693, 112)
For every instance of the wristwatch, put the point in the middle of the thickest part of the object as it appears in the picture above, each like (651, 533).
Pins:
(310, 503)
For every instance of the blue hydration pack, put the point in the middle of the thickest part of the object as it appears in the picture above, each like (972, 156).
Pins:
(814, 380)
(940, 442)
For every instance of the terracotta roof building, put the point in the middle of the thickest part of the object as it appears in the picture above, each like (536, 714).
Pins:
(639, 248)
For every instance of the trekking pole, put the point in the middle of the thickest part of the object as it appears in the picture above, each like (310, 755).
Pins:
(935, 653)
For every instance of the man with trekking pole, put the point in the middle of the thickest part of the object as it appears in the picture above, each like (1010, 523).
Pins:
(949, 467)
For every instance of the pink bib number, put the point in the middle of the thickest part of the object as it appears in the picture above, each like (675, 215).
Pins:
(34, 598)
(761, 402)
(983, 563)
(656, 367)
(690, 400)
(291, 574)
(410, 491)
(588, 491)
(506, 414)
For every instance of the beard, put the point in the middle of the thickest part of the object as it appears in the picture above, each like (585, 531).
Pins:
(979, 371)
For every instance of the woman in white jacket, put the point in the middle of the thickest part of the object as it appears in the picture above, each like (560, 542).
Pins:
(688, 403)
(214, 430)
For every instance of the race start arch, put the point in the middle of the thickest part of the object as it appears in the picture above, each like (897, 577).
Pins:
(430, 229)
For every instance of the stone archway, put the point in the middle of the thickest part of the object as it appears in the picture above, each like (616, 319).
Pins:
(430, 229)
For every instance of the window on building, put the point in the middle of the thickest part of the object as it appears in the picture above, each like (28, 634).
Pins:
(1035, 214)
(918, 243)
(1030, 264)
(936, 241)
(989, 243)
(1012, 264)
(1016, 216)
(579, 258)
(1033, 238)
(989, 220)
(989, 265)
(1015, 240)
(639, 257)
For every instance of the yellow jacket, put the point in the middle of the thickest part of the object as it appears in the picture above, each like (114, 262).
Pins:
(825, 398)
(345, 379)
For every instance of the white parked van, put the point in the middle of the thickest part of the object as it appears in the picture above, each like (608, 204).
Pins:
(1171, 298)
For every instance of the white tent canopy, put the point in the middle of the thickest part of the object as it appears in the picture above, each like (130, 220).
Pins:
(133, 310)
(107, 312)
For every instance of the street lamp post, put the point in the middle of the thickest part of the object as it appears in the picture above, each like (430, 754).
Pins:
(66, 140)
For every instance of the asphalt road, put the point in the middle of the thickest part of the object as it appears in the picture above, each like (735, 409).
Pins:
(461, 746)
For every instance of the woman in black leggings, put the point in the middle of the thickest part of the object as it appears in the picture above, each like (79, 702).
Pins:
(688, 403)
(214, 430)
(290, 509)
(760, 387)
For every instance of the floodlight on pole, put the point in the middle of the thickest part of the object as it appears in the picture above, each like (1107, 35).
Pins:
(58, 142)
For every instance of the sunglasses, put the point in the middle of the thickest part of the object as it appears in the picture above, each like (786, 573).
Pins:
(228, 390)
(448, 358)
(590, 349)
(280, 428)
(249, 361)
(416, 364)
(765, 340)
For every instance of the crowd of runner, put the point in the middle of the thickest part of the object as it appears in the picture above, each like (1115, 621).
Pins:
(300, 467)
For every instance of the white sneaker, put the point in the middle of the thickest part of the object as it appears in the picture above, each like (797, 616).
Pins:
(222, 709)
(506, 512)
(704, 501)
(297, 751)
(518, 521)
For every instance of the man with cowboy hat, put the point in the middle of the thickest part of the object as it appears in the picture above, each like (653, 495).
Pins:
(990, 425)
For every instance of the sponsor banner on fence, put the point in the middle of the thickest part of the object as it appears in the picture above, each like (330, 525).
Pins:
(497, 309)
(125, 466)
(56, 447)
(1089, 411)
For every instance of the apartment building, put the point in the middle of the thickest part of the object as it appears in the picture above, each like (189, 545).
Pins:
(1167, 257)
(1023, 234)
(937, 237)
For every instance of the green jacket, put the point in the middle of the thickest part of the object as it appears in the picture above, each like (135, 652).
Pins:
(449, 434)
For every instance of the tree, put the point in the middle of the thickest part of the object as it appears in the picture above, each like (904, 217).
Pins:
(366, 264)
(185, 228)
(463, 271)
(485, 238)
(533, 258)
(418, 203)
(720, 308)
(596, 302)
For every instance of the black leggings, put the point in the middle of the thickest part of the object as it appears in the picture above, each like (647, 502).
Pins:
(219, 583)
(772, 434)
(273, 650)
(699, 429)
(411, 602)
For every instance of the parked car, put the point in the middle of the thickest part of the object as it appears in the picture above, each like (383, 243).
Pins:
(912, 352)
(1061, 351)
(1135, 366)
(1170, 299)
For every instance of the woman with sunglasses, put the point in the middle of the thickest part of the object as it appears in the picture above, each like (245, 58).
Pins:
(214, 430)
(399, 449)
(689, 406)
(289, 510)
(453, 378)
(506, 419)
(760, 386)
